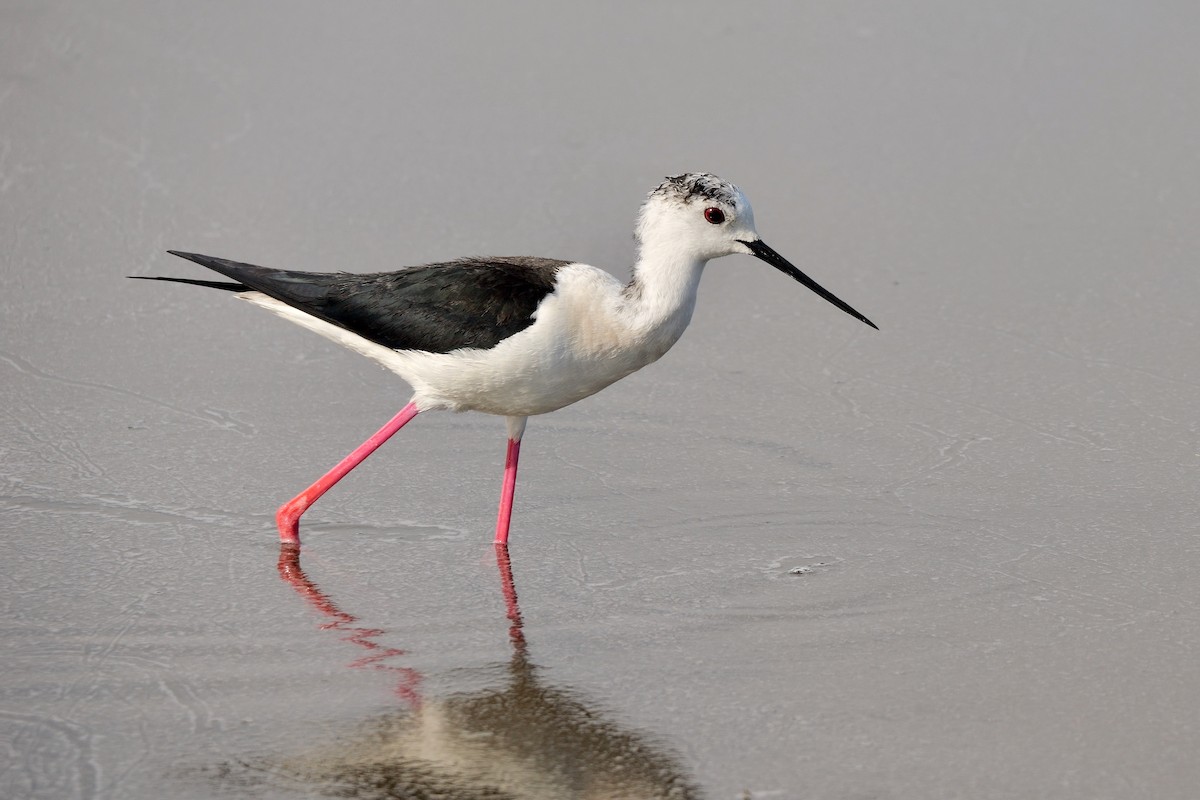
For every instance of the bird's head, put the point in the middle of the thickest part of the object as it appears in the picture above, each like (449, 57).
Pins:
(706, 217)
(698, 213)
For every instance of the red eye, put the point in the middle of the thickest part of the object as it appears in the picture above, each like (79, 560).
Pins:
(714, 215)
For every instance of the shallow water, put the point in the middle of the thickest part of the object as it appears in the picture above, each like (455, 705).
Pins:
(796, 558)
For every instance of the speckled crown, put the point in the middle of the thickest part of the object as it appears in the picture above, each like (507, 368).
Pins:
(697, 185)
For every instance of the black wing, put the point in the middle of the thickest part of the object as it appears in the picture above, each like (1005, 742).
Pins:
(435, 308)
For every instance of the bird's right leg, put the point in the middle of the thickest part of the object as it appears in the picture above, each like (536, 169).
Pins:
(288, 515)
(516, 429)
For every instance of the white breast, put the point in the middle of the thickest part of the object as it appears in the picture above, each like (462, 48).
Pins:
(582, 340)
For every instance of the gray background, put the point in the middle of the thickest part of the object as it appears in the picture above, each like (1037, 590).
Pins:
(996, 493)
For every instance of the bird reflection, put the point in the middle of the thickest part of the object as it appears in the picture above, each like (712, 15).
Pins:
(523, 740)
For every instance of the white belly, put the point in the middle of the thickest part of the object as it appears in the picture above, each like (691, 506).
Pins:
(580, 342)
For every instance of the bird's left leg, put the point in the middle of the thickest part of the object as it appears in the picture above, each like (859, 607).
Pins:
(287, 518)
(516, 429)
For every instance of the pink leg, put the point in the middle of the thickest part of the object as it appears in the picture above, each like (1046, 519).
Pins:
(516, 427)
(288, 515)
(507, 493)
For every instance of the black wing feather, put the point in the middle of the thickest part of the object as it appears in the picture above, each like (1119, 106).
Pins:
(435, 308)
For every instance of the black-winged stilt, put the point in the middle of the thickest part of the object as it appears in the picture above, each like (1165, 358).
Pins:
(514, 336)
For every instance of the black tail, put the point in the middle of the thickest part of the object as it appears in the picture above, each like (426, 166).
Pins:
(228, 268)
(229, 287)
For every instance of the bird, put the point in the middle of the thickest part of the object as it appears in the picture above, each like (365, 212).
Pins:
(513, 336)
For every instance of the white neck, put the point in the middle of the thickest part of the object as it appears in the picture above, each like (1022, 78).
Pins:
(661, 295)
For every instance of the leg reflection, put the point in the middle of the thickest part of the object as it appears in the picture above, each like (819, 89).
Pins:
(377, 654)
(516, 633)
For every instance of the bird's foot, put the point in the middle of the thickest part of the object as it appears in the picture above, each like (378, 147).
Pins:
(287, 519)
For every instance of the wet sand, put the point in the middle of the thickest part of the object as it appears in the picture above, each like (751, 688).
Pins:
(797, 558)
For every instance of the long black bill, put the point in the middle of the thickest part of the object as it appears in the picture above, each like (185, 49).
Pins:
(760, 250)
